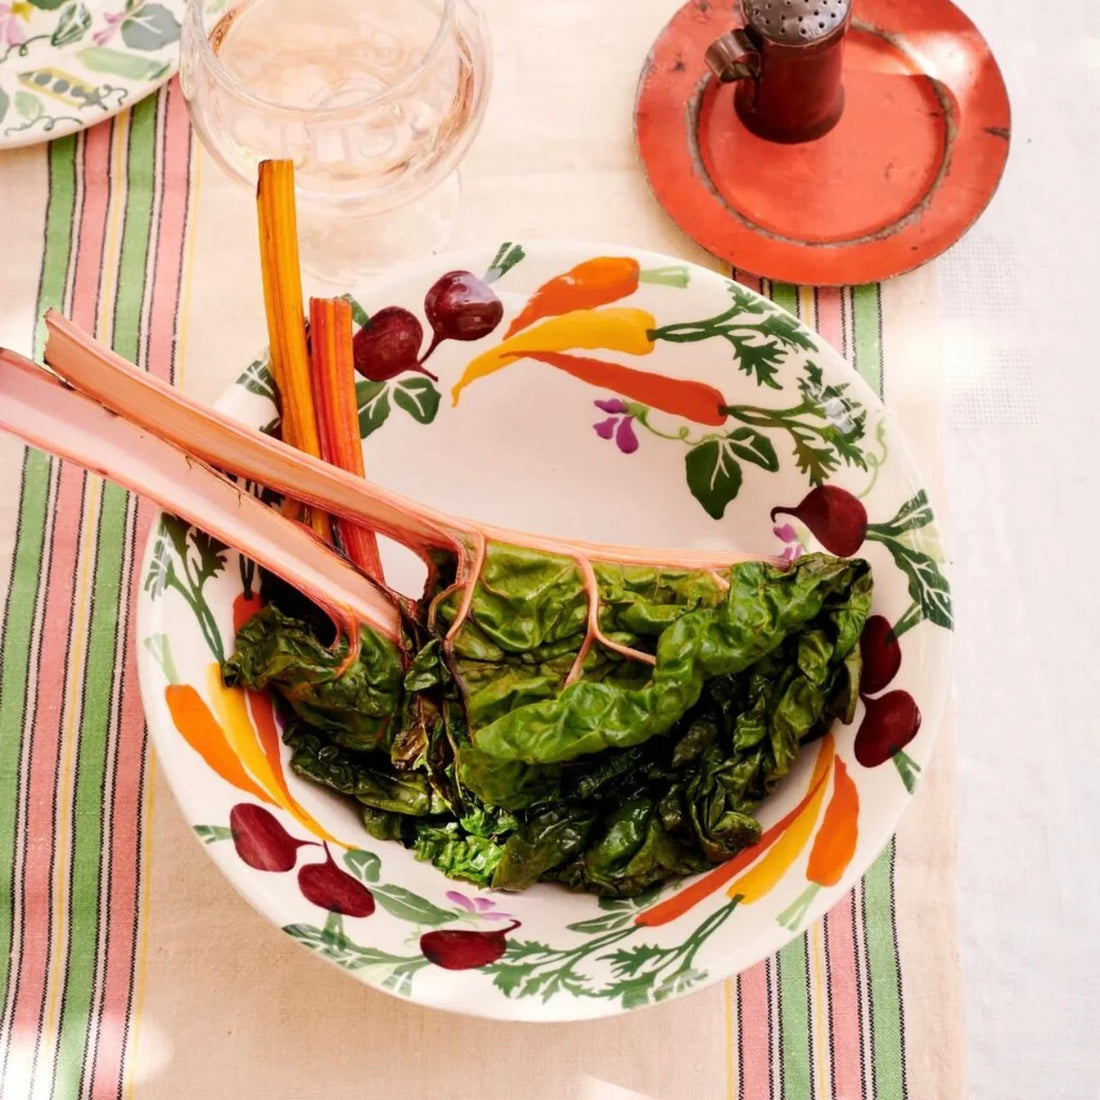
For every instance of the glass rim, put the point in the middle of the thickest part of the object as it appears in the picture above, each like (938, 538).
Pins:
(238, 88)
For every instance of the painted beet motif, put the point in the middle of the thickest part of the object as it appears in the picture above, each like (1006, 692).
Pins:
(464, 949)
(326, 885)
(260, 839)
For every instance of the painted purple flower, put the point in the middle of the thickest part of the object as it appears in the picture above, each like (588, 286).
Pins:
(11, 32)
(619, 427)
(112, 20)
(792, 552)
(611, 405)
(478, 907)
(787, 533)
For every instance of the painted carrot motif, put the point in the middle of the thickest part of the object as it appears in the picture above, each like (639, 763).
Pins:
(834, 846)
(593, 283)
(681, 397)
(200, 729)
(615, 329)
(256, 751)
(762, 877)
(703, 887)
(245, 605)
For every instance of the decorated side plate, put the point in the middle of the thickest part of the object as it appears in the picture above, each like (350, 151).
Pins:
(717, 420)
(68, 64)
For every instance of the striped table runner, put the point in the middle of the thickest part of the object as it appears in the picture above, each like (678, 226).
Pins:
(127, 965)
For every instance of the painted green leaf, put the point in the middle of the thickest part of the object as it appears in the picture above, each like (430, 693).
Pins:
(755, 447)
(28, 105)
(210, 834)
(913, 514)
(507, 256)
(152, 27)
(365, 866)
(418, 397)
(5, 99)
(75, 20)
(46, 5)
(607, 923)
(258, 379)
(103, 59)
(405, 905)
(713, 476)
(373, 399)
(613, 904)
(928, 587)
(358, 314)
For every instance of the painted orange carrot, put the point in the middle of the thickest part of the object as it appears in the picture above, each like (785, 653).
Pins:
(198, 727)
(593, 283)
(679, 396)
(836, 840)
(695, 892)
(834, 846)
(261, 708)
(245, 605)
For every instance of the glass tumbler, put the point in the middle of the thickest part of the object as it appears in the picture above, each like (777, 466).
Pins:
(375, 102)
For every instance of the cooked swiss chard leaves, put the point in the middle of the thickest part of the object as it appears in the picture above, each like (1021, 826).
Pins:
(506, 755)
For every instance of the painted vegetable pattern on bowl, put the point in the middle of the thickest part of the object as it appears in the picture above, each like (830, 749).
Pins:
(580, 324)
(66, 63)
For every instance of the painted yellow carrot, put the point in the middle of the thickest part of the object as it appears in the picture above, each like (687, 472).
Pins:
(230, 705)
(690, 896)
(614, 329)
(759, 880)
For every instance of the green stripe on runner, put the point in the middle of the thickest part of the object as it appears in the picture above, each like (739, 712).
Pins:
(18, 622)
(887, 1047)
(107, 591)
(867, 318)
(795, 1054)
(785, 295)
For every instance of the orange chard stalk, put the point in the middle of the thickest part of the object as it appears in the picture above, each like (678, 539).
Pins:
(333, 379)
(286, 323)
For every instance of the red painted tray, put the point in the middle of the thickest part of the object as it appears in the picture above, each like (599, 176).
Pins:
(915, 158)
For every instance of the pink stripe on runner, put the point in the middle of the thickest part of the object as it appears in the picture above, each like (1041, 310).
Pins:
(36, 917)
(754, 1026)
(125, 840)
(830, 317)
(844, 1002)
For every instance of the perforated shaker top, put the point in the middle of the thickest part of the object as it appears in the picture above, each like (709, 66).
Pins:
(796, 22)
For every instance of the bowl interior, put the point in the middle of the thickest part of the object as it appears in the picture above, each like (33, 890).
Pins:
(541, 449)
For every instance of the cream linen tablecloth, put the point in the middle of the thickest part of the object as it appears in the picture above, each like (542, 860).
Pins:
(134, 967)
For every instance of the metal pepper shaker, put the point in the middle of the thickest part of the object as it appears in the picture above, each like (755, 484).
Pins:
(787, 58)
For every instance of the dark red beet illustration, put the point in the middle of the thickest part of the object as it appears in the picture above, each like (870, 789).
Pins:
(459, 949)
(889, 724)
(261, 841)
(389, 345)
(837, 519)
(881, 653)
(460, 306)
(326, 885)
